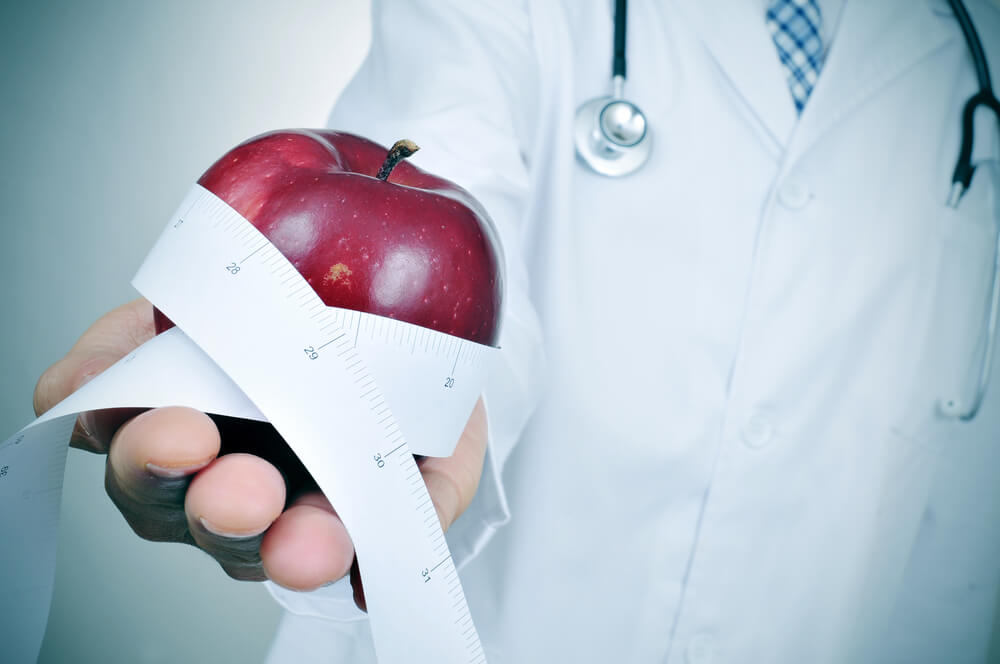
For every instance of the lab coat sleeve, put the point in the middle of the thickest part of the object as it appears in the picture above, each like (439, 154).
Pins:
(458, 78)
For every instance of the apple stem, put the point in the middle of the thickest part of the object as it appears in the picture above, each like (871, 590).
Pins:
(399, 151)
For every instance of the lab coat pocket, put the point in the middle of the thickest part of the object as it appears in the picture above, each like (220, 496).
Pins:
(955, 333)
(924, 445)
(938, 549)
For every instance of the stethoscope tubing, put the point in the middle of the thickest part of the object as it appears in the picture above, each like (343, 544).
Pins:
(960, 181)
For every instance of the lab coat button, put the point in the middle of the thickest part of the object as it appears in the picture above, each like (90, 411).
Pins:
(700, 649)
(758, 431)
(794, 194)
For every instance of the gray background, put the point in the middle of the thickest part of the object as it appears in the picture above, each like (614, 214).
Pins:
(111, 110)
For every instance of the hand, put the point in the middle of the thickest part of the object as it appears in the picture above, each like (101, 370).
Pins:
(231, 487)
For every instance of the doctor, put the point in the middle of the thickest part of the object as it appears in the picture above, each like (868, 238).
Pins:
(736, 449)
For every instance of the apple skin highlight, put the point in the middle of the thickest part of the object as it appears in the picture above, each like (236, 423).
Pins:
(413, 247)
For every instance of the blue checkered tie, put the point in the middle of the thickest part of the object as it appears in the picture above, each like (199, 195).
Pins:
(794, 26)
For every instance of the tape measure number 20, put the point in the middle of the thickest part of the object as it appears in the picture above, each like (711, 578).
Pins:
(239, 299)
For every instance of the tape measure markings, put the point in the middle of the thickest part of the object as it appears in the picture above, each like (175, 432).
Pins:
(294, 414)
(184, 269)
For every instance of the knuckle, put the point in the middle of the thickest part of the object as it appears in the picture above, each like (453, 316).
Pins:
(239, 554)
(156, 524)
(150, 520)
(244, 572)
(239, 557)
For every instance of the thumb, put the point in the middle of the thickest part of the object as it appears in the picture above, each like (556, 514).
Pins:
(108, 340)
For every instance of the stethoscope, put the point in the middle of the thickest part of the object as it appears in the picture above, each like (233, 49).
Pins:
(612, 137)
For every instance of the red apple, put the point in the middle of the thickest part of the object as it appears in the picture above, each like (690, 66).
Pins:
(368, 231)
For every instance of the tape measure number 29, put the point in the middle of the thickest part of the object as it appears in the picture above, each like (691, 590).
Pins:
(238, 298)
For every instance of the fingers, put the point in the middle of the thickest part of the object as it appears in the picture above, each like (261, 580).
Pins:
(165, 476)
(150, 465)
(452, 481)
(229, 506)
(308, 546)
(107, 341)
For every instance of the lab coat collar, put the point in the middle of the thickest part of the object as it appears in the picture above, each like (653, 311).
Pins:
(875, 41)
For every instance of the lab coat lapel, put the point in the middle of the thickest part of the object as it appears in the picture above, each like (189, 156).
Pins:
(736, 35)
(876, 41)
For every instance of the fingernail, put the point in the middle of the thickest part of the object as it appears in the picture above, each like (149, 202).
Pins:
(173, 472)
(215, 530)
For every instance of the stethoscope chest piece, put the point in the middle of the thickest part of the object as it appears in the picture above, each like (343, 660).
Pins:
(611, 136)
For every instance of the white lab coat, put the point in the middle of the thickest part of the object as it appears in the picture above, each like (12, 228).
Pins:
(736, 455)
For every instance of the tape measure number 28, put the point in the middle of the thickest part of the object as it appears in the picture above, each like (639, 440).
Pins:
(239, 299)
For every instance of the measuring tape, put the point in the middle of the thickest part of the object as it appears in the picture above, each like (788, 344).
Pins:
(353, 394)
